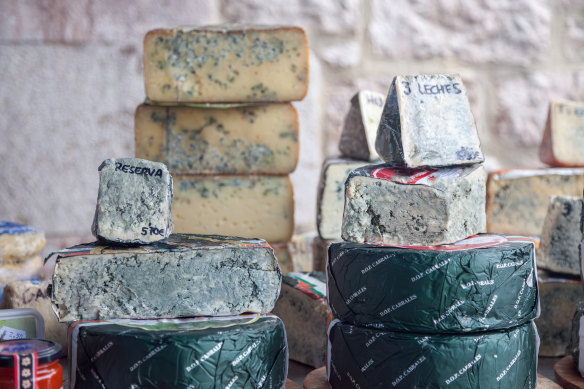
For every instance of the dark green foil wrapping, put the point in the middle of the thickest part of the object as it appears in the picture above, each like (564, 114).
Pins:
(485, 282)
(368, 359)
(214, 353)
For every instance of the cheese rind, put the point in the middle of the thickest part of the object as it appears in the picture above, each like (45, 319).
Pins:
(134, 201)
(563, 139)
(484, 283)
(414, 207)
(331, 196)
(561, 236)
(260, 139)
(226, 63)
(517, 199)
(559, 299)
(236, 352)
(576, 340)
(35, 294)
(246, 206)
(303, 308)
(19, 242)
(427, 121)
(366, 358)
(186, 275)
(360, 126)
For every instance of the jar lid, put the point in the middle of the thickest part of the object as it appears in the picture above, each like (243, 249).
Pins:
(46, 350)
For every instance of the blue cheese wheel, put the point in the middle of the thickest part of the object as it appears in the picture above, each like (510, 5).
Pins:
(485, 282)
(186, 275)
(366, 358)
(413, 206)
(233, 352)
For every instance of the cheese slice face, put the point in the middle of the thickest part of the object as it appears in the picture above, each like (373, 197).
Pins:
(563, 139)
(239, 140)
(226, 63)
(427, 121)
(517, 199)
(360, 127)
(245, 206)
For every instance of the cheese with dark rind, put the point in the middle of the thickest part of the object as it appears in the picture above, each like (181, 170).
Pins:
(427, 121)
(36, 294)
(19, 242)
(561, 236)
(186, 275)
(414, 207)
(366, 358)
(303, 308)
(261, 139)
(226, 63)
(331, 196)
(559, 300)
(563, 138)
(134, 201)
(247, 206)
(360, 126)
(576, 340)
(235, 352)
(483, 283)
(517, 199)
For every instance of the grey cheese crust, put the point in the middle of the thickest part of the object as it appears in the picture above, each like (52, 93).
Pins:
(331, 196)
(561, 236)
(427, 121)
(360, 126)
(134, 201)
(419, 208)
(210, 277)
(558, 300)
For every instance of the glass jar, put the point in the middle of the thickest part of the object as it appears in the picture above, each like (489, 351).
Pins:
(30, 363)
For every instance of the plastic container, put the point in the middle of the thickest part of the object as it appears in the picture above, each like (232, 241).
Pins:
(30, 363)
(21, 323)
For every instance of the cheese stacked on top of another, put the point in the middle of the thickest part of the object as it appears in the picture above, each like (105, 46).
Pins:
(231, 159)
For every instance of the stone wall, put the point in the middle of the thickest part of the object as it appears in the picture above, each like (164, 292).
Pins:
(72, 77)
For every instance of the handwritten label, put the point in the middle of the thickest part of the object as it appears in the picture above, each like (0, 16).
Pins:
(570, 111)
(428, 89)
(144, 171)
(150, 230)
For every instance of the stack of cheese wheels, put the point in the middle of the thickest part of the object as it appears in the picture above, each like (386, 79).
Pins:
(171, 310)
(547, 203)
(554, 212)
(357, 148)
(420, 298)
(218, 113)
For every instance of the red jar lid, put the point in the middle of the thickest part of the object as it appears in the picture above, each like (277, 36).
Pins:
(46, 350)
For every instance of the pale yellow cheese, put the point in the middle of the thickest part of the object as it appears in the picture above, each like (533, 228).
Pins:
(563, 140)
(226, 63)
(261, 139)
(244, 206)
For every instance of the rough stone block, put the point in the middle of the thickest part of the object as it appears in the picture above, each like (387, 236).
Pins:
(558, 300)
(427, 121)
(134, 201)
(261, 139)
(414, 207)
(303, 308)
(331, 196)
(517, 199)
(563, 139)
(186, 275)
(561, 236)
(247, 206)
(19, 242)
(360, 126)
(35, 294)
(512, 32)
(226, 63)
